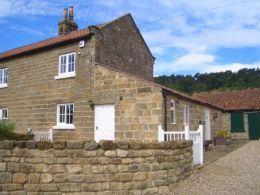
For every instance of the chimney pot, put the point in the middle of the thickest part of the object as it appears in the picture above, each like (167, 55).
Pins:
(65, 14)
(71, 13)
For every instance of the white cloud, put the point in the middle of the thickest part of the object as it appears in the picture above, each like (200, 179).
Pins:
(194, 59)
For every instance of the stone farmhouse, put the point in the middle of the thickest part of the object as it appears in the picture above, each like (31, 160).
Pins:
(97, 83)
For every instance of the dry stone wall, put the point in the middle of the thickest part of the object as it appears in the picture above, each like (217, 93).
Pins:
(77, 167)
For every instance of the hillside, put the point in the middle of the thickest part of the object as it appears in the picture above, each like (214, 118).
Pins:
(244, 78)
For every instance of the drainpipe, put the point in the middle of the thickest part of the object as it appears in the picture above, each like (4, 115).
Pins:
(165, 110)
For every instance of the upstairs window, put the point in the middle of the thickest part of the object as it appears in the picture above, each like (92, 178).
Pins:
(3, 77)
(186, 115)
(65, 116)
(172, 110)
(67, 64)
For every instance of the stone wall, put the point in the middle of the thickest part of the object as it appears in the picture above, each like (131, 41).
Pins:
(90, 168)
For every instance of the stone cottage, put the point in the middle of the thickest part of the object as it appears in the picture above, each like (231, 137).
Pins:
(95, 83)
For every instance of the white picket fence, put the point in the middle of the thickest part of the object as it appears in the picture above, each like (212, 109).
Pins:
(186, 134)
(43, 135)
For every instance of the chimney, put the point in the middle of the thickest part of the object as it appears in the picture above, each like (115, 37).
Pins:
(67, 25)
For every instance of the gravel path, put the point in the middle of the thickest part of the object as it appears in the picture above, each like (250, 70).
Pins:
(236, 173)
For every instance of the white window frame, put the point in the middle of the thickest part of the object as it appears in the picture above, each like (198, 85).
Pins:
(2, 114)
(66, 74)
(172, 110)
(4, 76)
(186, 115)
(64, 125)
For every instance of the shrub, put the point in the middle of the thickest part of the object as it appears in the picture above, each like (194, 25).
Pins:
(7, 133)
(224, 134)
(6, 129)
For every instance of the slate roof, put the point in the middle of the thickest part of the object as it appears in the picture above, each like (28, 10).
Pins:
(236, 100)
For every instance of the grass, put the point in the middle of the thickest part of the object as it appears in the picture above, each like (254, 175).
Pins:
(7, 133)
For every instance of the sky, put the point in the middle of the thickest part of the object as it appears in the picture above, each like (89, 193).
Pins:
(185, 36)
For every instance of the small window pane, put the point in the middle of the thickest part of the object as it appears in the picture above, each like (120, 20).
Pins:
(63, 64)
(5, 114)
(1, 76)
(71, 63)
(62, 114)
(5, 75)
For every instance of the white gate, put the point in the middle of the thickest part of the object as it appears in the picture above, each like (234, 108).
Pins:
(195, 136)
(43, 135)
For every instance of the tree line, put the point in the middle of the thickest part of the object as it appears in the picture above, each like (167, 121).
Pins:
(220, 81)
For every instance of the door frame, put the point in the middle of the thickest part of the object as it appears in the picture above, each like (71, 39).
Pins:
(96, 137)
(207, 127)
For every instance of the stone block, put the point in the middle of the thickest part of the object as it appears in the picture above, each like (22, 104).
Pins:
(107, 145)
(31, 144)
(70, 187)
(140, 176)
(34, 178)
(72, 169)
(91, 146)
(110, 153)
(2, 166)
(76, 178)
(122, 144)
(6, 144)
(46, 178)
(13, 167)
(75, 144)
(28, 168)
(122, 153)
(12, 187)
(32, 187)
(20, 144)
(59, 145)
(20, 178)
(136, 145)
(48, 187)
(44, 145)
(58, 168)
(123, 177)
(5, 177)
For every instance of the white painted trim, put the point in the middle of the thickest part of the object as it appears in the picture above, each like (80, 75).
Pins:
(172, 108)
(65, 75)
(64, 127)
(3, 85)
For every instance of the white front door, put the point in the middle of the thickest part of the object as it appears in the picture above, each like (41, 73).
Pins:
(207, 132)
(104, 122)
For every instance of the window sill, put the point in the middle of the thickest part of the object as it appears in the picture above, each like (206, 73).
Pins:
(65, 76)
(3, 86)
(64, 127)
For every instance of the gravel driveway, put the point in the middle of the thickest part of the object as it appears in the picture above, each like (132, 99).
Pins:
(236, 173)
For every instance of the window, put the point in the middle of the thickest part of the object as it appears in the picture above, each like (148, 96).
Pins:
(65, 116)
(66, 66)
(172, 108)
(186, 115)
(3, 77)
(237, 122)
(3, 114)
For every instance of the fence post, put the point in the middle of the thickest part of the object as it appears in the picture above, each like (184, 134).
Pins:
(51, 135)
(201, 143)
(187, 132)
(160, 133)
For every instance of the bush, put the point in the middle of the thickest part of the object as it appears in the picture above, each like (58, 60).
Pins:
(6, 129)
(7, 133)
(224, 134)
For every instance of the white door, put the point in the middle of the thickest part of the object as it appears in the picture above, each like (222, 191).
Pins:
(207, 132)
(104, 122)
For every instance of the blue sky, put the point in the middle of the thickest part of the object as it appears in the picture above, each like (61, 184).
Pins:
(185, 36)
